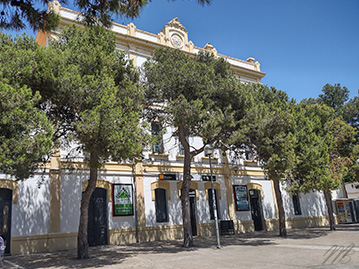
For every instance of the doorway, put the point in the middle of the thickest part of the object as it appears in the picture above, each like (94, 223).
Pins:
(192, 202)
(97, 218)
(256, 209)
(5, 216)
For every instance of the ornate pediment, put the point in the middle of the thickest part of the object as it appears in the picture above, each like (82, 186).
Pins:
(175, 35)
(175, 24)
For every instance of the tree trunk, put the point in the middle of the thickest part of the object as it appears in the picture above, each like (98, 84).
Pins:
(186, 210)
(328, 201)
(82, 242)
(281, 217)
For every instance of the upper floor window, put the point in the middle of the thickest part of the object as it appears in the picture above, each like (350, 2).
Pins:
(181, 149)
(248, 153)
(156, 130)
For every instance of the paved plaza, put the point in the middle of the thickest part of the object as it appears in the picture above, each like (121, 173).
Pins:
(302, 248)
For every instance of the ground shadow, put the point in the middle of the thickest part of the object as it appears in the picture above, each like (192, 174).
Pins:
(103, 256)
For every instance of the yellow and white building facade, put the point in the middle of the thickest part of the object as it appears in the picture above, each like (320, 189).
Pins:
(140, 201)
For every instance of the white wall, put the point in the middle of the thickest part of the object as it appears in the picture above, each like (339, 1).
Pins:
(311, 204)
(203, 203)
(267, 201)
(174, 204)
(71, 190)
(140, 60)
(30, 216)
(116, 222)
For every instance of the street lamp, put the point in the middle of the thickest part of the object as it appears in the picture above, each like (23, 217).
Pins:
(208, 149)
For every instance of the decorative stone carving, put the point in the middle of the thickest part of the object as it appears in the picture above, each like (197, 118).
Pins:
(131, 29)
(211, 49)
(174, 34)
(257, 66)
(54, 6)
(161, 38)
(250, 60)
(174, 24)
(176, 41)
(190, 46)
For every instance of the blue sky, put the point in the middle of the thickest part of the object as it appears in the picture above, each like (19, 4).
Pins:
(300, 44)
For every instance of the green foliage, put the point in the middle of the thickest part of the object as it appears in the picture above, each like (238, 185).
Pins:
(17, 57)
(342, 153)
(192, 94)
(14, 14)
(95, 94)
(323, 146)
(268, 127)
(88, 90)
(350, 113)
(334, 96)
(198, 92)
(25, 132)
(353, 167)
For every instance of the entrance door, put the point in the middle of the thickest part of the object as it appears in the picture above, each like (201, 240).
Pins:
(97, 219)
(192, 201)
(5, 216)
(256, 209)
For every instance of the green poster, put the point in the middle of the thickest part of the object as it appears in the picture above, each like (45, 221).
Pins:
(122, 200)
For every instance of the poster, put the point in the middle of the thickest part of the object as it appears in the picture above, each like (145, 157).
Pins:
(241, 197)
(122, 199)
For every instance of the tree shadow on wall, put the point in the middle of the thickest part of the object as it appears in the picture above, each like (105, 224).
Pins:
(31, 214)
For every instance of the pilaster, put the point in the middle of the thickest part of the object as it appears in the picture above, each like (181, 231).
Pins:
(229, 189)
(55, 191)
(140, 197)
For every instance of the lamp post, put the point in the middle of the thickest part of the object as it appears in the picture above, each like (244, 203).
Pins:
(208, 149)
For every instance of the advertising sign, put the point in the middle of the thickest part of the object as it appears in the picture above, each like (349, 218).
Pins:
(122, 199)
(167, 176)
(241, 197)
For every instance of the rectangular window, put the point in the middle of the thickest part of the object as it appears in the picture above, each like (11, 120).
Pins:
(296, 204)
(248, 153)
(161, 205)
(156, 130)
(210, 200)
